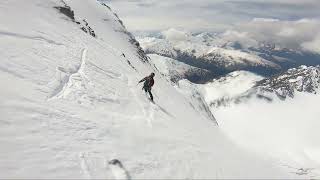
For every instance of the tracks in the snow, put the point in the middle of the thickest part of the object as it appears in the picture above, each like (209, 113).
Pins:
(84, 166)
(144, 106)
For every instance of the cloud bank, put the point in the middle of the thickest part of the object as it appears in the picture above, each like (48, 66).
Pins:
(214, 15)
(299, 35)
(291, 24)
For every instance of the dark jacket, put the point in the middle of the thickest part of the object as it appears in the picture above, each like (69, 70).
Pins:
(148, 82)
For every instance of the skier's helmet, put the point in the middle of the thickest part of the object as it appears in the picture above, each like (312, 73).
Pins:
(152, 74)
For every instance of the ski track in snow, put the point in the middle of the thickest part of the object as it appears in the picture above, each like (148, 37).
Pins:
(149, 112)
(84, 166)
(142, 106)
(151, 115)
(148, 108)
(108, 73)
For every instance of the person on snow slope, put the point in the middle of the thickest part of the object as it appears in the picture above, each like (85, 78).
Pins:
(148, 83)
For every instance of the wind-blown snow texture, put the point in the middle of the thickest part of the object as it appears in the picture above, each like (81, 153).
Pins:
(70, 106)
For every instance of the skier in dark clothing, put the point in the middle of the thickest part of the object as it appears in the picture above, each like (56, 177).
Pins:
(148, 83)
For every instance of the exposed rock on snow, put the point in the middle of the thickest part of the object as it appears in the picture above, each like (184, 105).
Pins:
(66, 10)
(301, 79)
(240, 87)
(86, 28)
(84, 25)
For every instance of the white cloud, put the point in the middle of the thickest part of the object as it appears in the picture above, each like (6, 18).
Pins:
(292, 24)
(313, 45)
(242, 37)
(265, 20)
(176, 35)
(161, 23)
(217, 15)
(300, 34)
(294, 131)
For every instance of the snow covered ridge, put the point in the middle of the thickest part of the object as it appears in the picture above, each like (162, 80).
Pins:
(84, 26)
(301, 79)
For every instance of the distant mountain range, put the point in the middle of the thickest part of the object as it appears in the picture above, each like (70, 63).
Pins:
(207, 51)
(285, 85)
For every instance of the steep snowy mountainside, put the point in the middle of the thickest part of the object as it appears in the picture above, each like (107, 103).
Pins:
(108, 20)
(71, 108)
(195, 98)
(175, 70)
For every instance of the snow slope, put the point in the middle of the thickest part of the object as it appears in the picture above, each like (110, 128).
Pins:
(70, 106)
